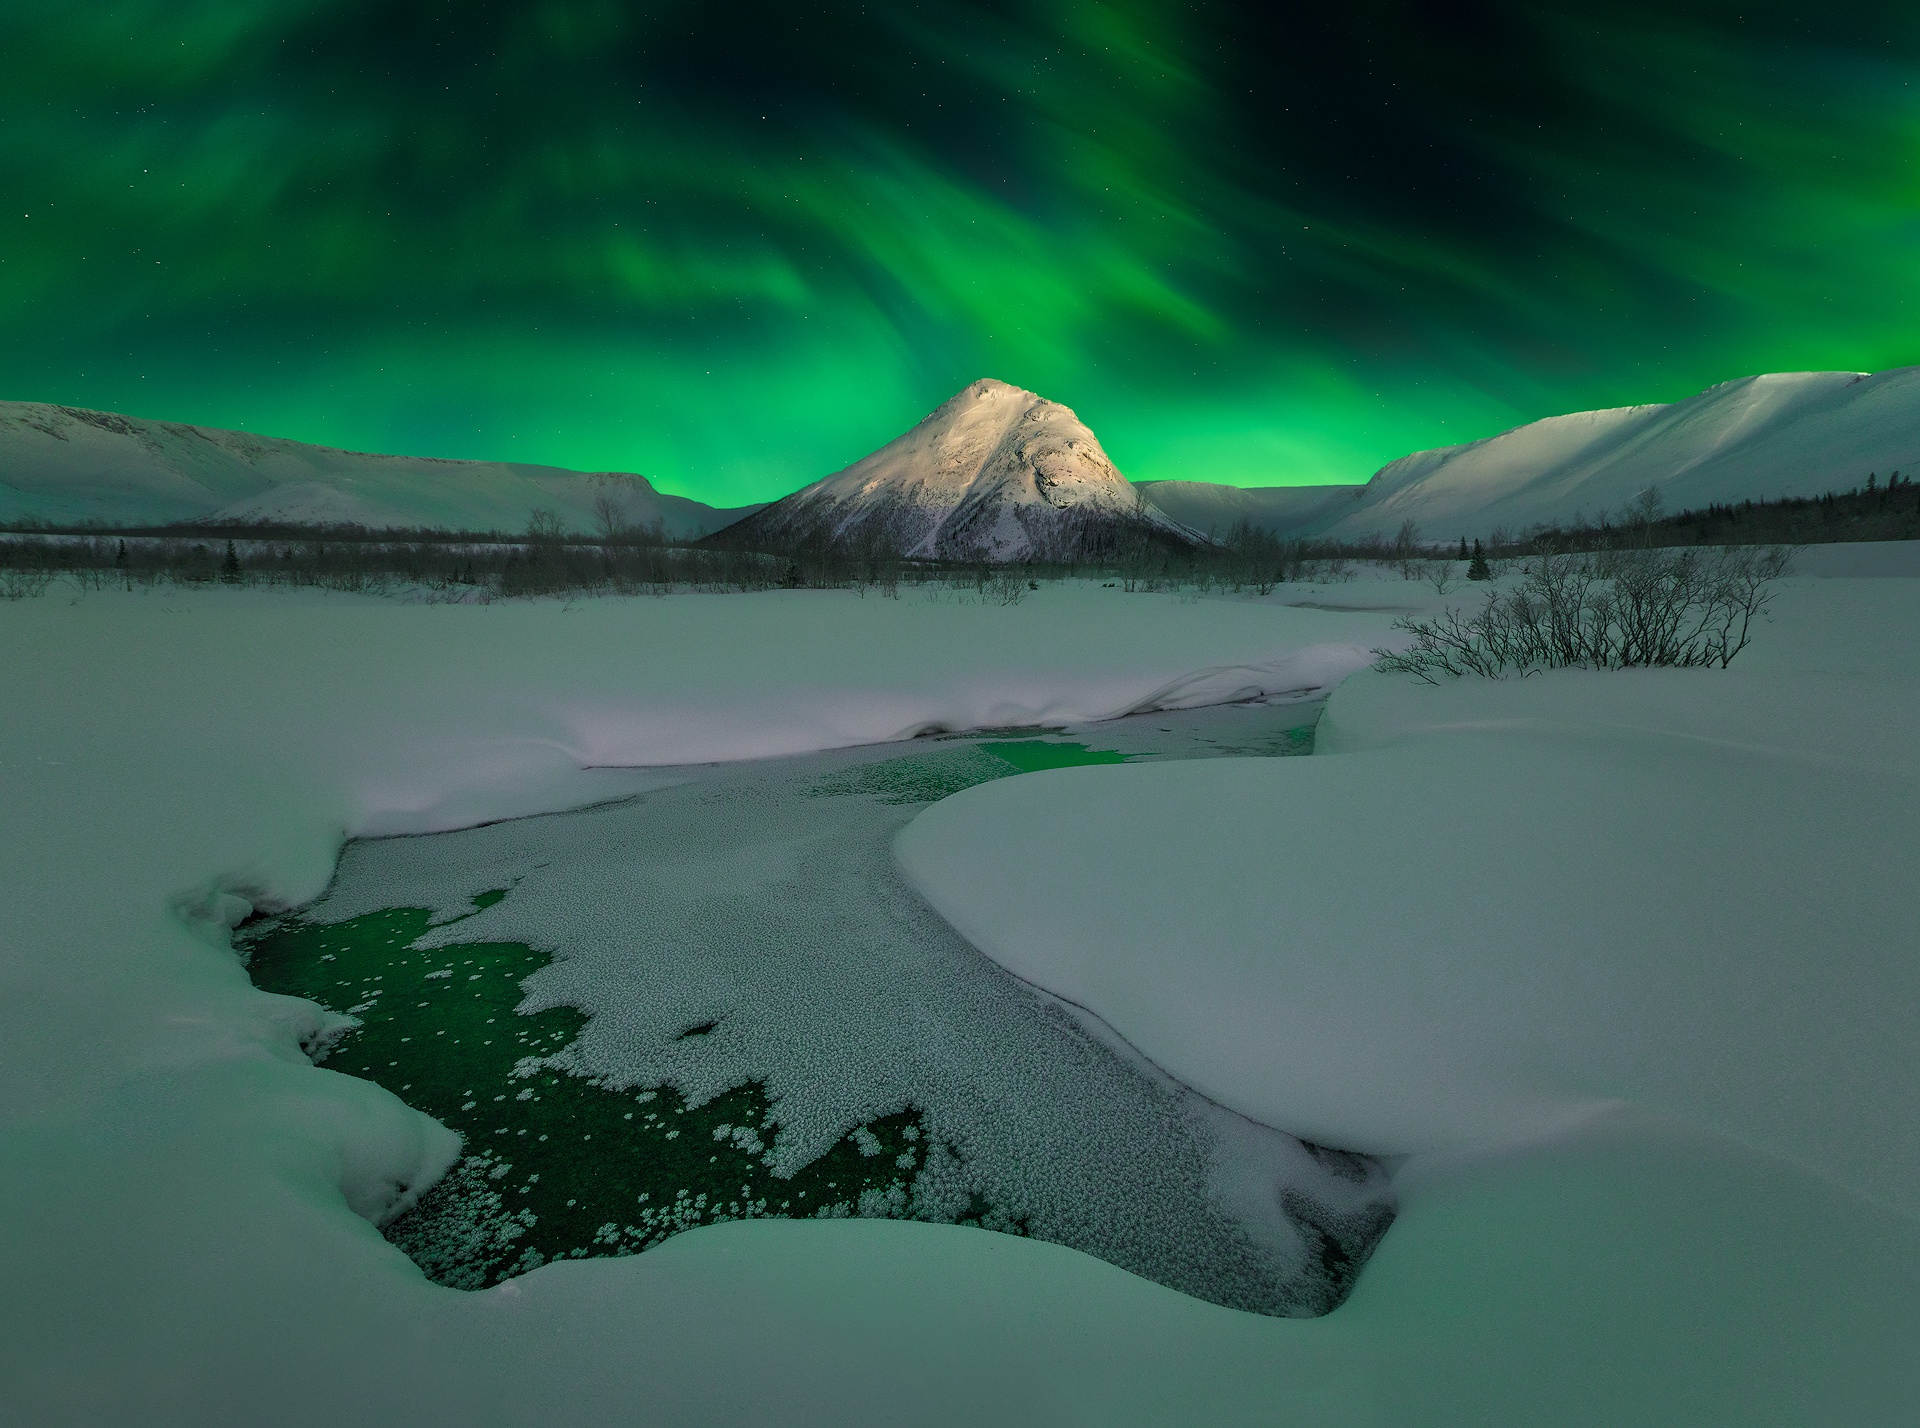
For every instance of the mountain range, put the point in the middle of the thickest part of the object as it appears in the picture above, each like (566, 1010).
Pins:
(70, 466)
(998, 473)
(1780, 434)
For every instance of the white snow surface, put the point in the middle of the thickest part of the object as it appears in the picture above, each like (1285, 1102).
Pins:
(67, 465)
(1779, 434)
(994, 472)
(1486, 912)
(179, 1203)
(1681, 889)
(759, 901)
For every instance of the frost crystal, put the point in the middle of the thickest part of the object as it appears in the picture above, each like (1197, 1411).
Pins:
(759, 906)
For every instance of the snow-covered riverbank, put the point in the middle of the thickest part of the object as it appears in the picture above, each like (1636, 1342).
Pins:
(180, 1248)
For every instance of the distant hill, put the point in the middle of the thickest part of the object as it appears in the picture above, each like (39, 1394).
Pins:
(1214, 510)
(66, 465)
(1782, 434)
(994, 473)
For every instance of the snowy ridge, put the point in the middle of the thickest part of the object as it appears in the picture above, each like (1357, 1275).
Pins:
(66, 464)
(1214, 509)
(1780, 434)
(993, 473)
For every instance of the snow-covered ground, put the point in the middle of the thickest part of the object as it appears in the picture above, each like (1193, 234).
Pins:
(1665, 912)
(1712, 1240)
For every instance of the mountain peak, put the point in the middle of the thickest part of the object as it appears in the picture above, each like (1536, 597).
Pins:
(995, 472)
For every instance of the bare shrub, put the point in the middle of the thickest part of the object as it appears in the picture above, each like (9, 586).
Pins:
(1612, 609)
(609, 516)
(24, 584)
(1005, 586)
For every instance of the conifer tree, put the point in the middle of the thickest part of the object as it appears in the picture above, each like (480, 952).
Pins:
(1477, 568)
(230, 567)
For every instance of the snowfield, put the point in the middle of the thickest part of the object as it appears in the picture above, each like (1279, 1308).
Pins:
(1625, 962)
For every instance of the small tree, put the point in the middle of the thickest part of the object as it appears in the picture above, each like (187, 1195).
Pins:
(1477, 568)
(609, 516)
(1463, 547)
(1642, 513)
(230, 567)
(1406, 548)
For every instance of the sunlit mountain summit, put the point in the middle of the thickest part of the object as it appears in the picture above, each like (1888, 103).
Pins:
(993, 473)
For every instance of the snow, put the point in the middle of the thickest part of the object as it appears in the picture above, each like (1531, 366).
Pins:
(178, 1233)
(759, 902)
(64, 464)
(995, 472)
(1499, 914)
(1214, 509)
(1780, 434)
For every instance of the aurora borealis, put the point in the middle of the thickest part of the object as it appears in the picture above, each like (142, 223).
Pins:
(734, 246)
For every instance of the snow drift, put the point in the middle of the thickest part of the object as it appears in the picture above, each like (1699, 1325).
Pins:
(994, 473)
(68, 465)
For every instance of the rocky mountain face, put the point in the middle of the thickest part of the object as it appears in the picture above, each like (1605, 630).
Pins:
(994, 473)
(66, 465)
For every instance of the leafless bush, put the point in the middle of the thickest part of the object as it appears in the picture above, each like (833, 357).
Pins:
(23, 584)
(1613, 609)
(1005, 586)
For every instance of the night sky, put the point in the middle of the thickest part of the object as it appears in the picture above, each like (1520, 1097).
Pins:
(734, 246)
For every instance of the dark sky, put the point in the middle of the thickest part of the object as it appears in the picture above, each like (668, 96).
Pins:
(736, 245)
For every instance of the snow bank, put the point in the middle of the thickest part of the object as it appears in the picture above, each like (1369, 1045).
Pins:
(1489, 907)
(184, 1187)
(1489, 912)
(1860, 558)
(180, 1250)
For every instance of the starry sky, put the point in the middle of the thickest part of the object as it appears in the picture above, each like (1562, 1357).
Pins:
(736, 244)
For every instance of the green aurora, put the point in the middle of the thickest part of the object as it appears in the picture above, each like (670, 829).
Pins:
(737, 245)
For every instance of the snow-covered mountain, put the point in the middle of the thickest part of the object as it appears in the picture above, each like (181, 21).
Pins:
(994, 473)
(1213, 509)
(1782, 434)
(66, 465)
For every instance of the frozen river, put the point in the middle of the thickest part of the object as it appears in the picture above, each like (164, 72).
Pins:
(720, 1000)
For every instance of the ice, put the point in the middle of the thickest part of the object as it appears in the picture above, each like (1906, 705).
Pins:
(759, 904)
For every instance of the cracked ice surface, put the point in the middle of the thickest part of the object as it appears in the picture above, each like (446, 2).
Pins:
(763, 899)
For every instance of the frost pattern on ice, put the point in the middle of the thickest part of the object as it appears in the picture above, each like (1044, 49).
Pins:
(751, 927)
